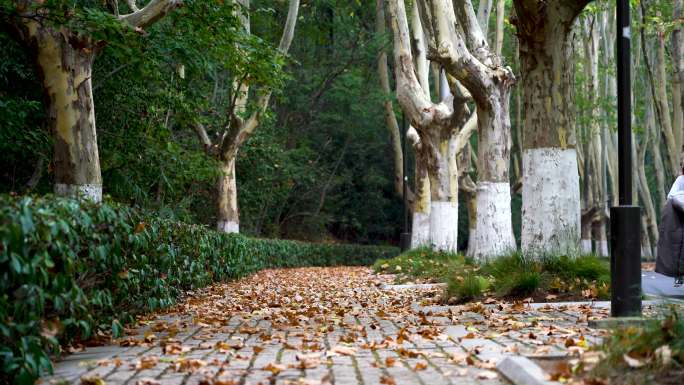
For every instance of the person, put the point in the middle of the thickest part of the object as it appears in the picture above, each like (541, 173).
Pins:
(670, 260)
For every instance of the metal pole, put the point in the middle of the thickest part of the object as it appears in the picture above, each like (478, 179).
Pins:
(625, 219)
(405, 238)
(624, 104)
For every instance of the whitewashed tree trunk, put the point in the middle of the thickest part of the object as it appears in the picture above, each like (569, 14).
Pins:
(438, 135)
(551, 194)
(239, 129)
(66, 72)
(65, 59)
(489, 83)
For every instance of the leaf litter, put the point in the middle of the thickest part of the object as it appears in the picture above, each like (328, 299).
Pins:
(327, 314)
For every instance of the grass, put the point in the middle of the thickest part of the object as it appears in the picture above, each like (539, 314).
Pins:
(651, 353)
(422, 264)
(511, 276)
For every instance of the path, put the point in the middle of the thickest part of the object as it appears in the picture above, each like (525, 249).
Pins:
(327, 325)
(659, 285)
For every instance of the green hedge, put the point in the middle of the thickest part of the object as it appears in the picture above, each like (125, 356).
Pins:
(70, 269)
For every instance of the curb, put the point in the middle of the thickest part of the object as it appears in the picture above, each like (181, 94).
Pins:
(522, 371)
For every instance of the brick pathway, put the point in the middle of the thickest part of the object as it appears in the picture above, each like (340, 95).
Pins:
(327, 325)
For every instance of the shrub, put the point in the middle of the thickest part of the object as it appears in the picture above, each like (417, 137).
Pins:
(69, 270)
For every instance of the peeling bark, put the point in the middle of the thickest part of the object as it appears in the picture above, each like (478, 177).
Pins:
(228, 220)
(65, 62)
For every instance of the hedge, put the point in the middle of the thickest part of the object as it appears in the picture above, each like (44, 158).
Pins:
(71, 269)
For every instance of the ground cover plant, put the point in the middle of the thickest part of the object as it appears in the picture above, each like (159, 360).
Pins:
(72, 272)
(648, 352)
(551, 278)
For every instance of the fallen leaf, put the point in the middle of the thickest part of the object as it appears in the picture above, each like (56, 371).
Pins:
(343, 350)
(487, 375)
(147, 381)
(633, 362)
(92, 380)
(275, 368)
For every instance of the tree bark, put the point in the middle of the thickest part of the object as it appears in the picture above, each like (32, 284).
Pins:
(390, 118)
(551, 199)
(438, 141)
(499, 36)
(228, 220)
(65, 62)
(466, 56)
(240, 129)
(677, 41)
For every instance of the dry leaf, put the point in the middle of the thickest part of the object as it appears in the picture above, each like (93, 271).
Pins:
(275, 368)
(92, 380)
(343, 350)
(487, 375)
(633, 362)
(147, 381)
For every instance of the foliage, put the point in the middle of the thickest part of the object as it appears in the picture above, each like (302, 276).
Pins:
(72, 271)
(24, 139)
(508, 276)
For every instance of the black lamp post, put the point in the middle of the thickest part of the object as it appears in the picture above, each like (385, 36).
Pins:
(625, 219)
(405, 238)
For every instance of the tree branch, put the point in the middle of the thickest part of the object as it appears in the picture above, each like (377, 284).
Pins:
(420, 110)
(240, 131)
(151, 13)
(464, 135)
(131, 4)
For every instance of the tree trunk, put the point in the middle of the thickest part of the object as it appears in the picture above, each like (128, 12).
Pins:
(499, 35)
(677, 41)
(65, 62)
(551, 194)
(228, 220)
(239, 128)
(390, 118)
(664, 107)
(494, 228)
(420, 223)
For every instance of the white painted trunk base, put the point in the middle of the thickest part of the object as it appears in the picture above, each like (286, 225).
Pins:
(494, 227)
(601, 248)
(91, 192)
(420, 230)
(551, 202)
(444, 226)
(228, 226)
(586, 246)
